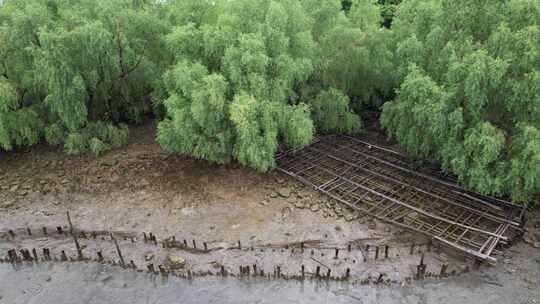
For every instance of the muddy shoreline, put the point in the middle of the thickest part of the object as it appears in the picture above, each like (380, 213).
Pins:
(141, 189)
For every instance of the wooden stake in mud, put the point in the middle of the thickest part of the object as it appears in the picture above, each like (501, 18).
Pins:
(72, 231)
(12, 255)
(63, 256)
(318, 271)
(59, 230)
(376, 252)
(223, 270)
(386, 251)
(29, 231)
(347, 273)
(349, 247)
(162, 270)
(100, 256)
(239, 245)
(11, 233)
(302, 247)
(145, 237)
(44, 230)
(122, 263)
(34, 253)
(205, 246)
(194, 244)
(328, 273)
(303, 271)
(150, 268)
(421, 269)
(337, 253)
(444, 267)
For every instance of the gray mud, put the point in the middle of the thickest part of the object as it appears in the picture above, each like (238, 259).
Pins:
(93, 283)
(142, 189)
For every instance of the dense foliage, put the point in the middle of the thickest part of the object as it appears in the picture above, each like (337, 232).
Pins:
(71, 70)
(470, 90)
(235, 80)
(249, 74)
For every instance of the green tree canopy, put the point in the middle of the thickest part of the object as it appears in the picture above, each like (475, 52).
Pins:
(71, 70)
(248, 75)
(470, 90)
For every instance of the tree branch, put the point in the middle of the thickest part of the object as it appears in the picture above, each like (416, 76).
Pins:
(126, 73)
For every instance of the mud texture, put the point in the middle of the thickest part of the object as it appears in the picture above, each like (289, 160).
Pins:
(142, 189)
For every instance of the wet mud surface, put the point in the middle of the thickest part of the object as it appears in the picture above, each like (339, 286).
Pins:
(141, 189)
(94, 283)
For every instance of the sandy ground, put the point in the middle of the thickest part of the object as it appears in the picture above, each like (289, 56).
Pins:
(141, 188)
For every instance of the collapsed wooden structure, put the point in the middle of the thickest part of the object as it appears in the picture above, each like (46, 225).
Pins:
(380, 182)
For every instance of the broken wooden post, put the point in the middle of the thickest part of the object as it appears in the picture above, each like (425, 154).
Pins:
(72, 231)
(421, 269)
(337, 252)
(386, 251)
(185, 242)
(318, 271)
(23, 254)
(11, 233)
(29, 231)
(347, 273)
(150, 268)
(132, 264)
(302, 247)
(278, 271)
(44, 229)
(376, 252)
(100, 256)
(194, 245)
(10, 256)
(205, 246)
(444, 268)
(145, 237)
(162, 270)
(59, 230)
(122, 263)
(63, 256)
(303, 271)
(34, 253)
(223, 270)
(239, 245)
(328, 273)
(349, 247)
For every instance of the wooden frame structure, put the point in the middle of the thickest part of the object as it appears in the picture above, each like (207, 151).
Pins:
(378, 181)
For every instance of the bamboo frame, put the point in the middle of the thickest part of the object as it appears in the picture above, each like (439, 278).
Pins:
(375, 181)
